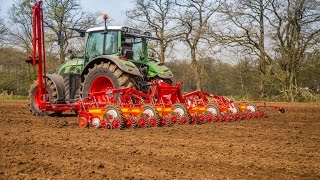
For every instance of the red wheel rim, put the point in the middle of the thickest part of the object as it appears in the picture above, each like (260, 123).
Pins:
(99, 84)
(238, 116)
(244, 116)
(250, 115)
(256, 115)
(225, 118)
(37, 98)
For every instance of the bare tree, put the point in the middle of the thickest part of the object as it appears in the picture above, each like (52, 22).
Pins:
(244, 25)
(20, 17)
(278, 32)
(60, 16)
(297, 32)
(155, 15)
(3, 30)
(193, 17)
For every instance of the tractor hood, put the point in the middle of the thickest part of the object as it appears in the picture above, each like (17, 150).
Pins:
(71, 66)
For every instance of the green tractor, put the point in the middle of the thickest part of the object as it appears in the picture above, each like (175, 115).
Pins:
(114, 57)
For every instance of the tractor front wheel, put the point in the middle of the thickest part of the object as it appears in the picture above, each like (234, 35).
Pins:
(35, 98)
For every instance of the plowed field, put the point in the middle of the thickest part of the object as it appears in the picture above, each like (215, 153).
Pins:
(282, 146)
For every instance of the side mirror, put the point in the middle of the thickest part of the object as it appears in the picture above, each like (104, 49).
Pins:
(82, 32)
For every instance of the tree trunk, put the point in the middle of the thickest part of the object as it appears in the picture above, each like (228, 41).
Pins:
(196, 68)
(162, 51)
(62, 53)
(263, 62)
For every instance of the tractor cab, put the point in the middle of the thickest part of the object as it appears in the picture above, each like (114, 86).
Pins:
(121, 44)
(126, 43)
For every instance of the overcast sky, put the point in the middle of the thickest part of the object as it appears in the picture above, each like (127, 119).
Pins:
(115, 8)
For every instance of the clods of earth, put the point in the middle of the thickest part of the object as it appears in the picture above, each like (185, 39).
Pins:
(282, 146)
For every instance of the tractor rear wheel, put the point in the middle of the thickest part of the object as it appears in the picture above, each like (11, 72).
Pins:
(102, 77)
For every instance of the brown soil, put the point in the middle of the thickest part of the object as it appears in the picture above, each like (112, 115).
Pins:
(282, 146)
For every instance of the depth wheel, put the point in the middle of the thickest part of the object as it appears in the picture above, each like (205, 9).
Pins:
(251, 108)
(113, 116)
(233, 110)
(182, 113)
(151, 115)
(213, 109)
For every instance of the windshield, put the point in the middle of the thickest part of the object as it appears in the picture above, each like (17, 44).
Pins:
(133, 44)
(95, 43)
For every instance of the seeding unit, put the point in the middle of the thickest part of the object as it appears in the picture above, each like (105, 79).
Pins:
(163, 105)
(112, 90)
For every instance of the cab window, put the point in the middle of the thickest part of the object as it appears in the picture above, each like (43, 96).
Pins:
(95, 44)
(112, 42)
(134, 44)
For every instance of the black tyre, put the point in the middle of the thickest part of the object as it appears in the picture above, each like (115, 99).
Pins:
(66, 82)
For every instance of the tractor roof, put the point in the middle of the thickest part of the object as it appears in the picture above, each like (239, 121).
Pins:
(128, 30)
(102, 28)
